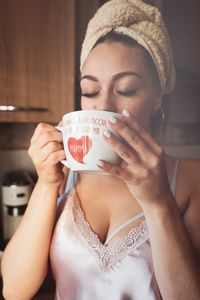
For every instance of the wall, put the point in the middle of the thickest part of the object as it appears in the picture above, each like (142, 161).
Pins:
(182, 133)
(14, 143)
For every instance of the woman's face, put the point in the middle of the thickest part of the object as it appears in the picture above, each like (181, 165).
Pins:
(116, 77)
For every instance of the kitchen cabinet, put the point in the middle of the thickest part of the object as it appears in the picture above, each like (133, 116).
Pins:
(37, 59)
(40, 42)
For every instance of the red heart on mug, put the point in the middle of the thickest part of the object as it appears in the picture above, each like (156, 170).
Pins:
(79, 148)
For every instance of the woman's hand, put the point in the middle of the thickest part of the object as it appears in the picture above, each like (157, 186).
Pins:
(143, 168)
(46, 151)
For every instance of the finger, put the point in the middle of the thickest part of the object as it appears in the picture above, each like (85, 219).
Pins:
(144, 134)
(47, 137)
(128, 154)
(55, 157)
(131, 136)
(115, 170)
(134, 136)
(109, 168)
(40, 156)
(60, 123)
(40, 130)
(50, 148)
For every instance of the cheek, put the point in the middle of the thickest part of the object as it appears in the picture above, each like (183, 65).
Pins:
(142, 114)
(85, 104)
(82, 104)
(145, 118)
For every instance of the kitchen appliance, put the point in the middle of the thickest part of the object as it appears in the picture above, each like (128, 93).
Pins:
(16, 190)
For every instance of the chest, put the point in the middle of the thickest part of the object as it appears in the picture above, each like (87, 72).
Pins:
(105, 213)
(74, 239)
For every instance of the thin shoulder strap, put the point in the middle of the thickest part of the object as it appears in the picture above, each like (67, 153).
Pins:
(71, 181)
(174, 177)
(118, 229)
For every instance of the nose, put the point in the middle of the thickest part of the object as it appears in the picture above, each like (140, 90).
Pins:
(105, 102)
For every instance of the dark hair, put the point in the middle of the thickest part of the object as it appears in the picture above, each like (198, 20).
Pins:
(113, 36)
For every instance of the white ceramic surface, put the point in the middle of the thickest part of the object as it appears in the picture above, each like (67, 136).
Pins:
(83, 140)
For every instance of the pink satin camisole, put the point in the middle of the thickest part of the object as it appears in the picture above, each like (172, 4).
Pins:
(86, 269)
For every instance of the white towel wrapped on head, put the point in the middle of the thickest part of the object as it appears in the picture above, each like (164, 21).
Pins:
(143, 23)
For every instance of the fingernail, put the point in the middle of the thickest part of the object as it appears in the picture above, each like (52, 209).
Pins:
(126, 113)
(107, 133)
(100, 163)
(113, 120)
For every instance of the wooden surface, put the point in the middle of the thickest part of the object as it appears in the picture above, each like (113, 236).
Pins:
(37, 58)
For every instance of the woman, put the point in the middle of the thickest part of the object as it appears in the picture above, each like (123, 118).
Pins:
(131, 235)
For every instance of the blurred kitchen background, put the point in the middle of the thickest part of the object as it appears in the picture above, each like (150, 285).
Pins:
(40, 42)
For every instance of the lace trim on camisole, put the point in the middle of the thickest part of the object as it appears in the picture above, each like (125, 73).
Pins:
(106, 255)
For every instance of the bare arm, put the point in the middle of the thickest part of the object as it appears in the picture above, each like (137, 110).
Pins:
(176, 239)
(25, 260)
(176, 263)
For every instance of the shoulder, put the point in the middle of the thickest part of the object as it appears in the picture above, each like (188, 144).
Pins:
(188, 185)
(189, 176)
(190, 165)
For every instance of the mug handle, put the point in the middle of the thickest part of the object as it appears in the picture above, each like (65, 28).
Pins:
(64, 161)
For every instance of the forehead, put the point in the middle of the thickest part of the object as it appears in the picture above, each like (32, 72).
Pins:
(115, 57)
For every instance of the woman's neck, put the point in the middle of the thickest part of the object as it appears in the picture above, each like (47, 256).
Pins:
(100, 185)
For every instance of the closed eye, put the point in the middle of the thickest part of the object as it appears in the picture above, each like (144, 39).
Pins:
(127, 93)
(89, 95)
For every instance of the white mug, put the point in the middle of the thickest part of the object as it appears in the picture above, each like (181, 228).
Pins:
(83, 140)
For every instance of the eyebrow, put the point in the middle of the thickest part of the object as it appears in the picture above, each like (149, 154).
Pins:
(115, 77)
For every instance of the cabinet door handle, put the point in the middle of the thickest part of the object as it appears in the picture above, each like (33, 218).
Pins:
(22, 108)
